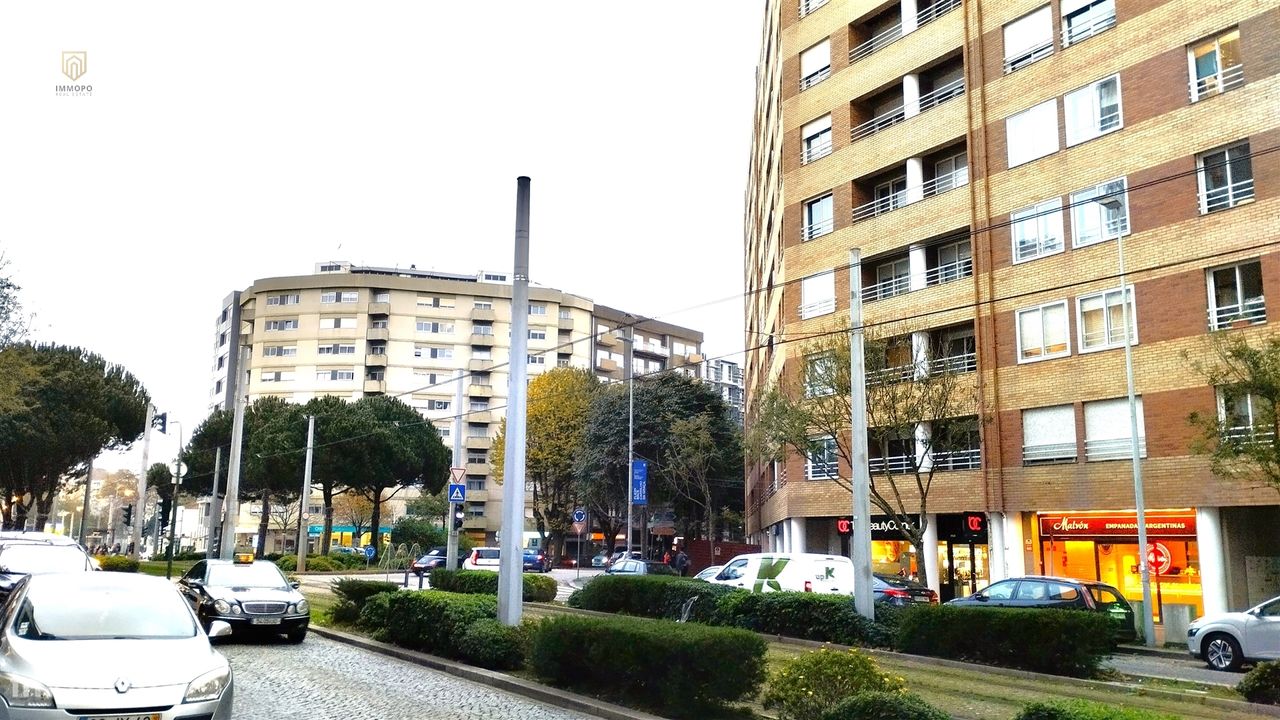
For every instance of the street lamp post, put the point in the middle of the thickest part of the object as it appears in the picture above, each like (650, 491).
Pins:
(173, 517)
(631, 432)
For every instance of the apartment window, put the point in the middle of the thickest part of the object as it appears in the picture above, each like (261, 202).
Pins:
(818, 295)
(537, 359)
(437, 404)
(337, 323)
(431, 326)
(377, 349)
(1099, 213)
(1226, 177)
(222, 359)
(475, 510)
(819, 217)
(815, 64)
(378, 324)
(494, 277)
(435, 301)
(1100, 319)
(435, 353)
(1216, 65)
(330, 267)
(808, 6)
(477, 430)
(222, 339)
(955, 261)
(1042, 332)
(948, 173)
(892, 278)
(1028, 39)
(278, 325)
(339, 374)
(537, 334)
(815, 140)
(378, 375)
(1108, 430)
(382, 296)
(890, 195)
(336, 350)
(1235, 296)
(823, 462)
(445, 431)
(819, 374)
(273, 351)
(225, 313)
(339, 296)
(482, 329)
(1085, 18)
(1037, 230)
(277, 376)
(1093, 110)
(293, 299)
(478, 405)
(1049, 435)
(426, 376)
(537, 309)
(1245, 417)
(1032, 133)
(565, 314)
(476, 484)
(483, 304)
(481, 354)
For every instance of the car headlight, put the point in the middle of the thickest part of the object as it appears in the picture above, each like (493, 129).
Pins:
(21, 691)
(235, 609)
(222, 607)
(303, 606)
(1191, 631)
(208, 686)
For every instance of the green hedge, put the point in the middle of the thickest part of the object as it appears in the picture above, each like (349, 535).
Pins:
(1084, 710)
(373, 616)
(1259, 685)
(118, 563)
(878, 705)
(654, 596)
(490, 644)
(809, 616)
(435, 621)
(806, 685)
(676, 668)
(537, 588)
(1061, 642)
(353, 593)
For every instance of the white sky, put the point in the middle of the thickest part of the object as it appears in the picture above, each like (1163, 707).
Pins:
(226, 142)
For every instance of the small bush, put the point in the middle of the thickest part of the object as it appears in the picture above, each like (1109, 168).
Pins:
(340, 561)
(320, 563)
(1060, 642)
(655, 596)
(352, 596)
(435, 621)
(1259, 685)
(490, 644)
(188, 556)
(881, 705)
(807, 685)
(272, 557)
(1084, 710)
(287, 563)
(809, 616)
(118, 563)
(537, 588)
(679, 669)
(373, 616)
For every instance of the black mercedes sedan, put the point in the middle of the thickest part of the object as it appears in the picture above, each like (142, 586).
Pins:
(251, 595)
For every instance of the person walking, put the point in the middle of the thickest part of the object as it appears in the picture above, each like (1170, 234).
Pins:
(681, 562)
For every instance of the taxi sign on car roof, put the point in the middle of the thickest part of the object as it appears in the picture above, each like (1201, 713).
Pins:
(243, 558)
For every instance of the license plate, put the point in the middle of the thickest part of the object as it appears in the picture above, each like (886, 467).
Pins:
(264, 621)
(152, 716)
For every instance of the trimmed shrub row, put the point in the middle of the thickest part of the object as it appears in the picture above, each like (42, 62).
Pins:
(1261, 684)
(321, 563)
(353, 594)
(434, 621)
(806, 686)
(118, 563)
(676, 668)
(537, 588)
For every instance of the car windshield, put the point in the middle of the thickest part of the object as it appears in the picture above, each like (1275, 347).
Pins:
(36, 559)
(102, 613)
(257, 575)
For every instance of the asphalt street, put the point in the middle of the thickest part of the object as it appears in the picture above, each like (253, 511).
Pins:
(1172, 668)
(326, 680)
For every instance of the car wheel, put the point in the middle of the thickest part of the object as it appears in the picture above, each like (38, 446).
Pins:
(1222, 652)
(297, 635)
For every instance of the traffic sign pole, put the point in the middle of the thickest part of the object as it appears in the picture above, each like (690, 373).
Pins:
(457, 476)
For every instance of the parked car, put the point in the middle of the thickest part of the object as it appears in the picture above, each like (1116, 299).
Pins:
(483, 558)
(600, 560)
(618, 555)
(536, 561)
(250, 595)
(799, 572)
(435, 558)
(1042, 591)
(122, 644)
(344, 550)
(640, 567)
(1225, 641)
(895, 590)
(708, 573)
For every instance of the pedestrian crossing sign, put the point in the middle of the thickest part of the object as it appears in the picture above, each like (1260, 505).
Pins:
(457, 492)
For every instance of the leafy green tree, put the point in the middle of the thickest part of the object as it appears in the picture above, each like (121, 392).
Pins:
(16, 370)
(410, 530)
(1242, 442)
(434, 506)
(699, 468)
(556, 427)
(337, 455)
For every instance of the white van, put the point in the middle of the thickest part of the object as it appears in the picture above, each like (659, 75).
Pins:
(798, 572)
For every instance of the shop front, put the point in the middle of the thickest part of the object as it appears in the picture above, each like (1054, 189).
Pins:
(891, 553)
(962, 551)
(1103, 546)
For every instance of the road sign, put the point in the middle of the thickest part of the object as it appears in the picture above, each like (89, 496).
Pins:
(368, 552)
(457, 492)
(456, 474)
(579, 528)
(1159, 557)
(639, 482)
(579, 516)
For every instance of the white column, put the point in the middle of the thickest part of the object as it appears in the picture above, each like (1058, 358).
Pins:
(909, 19)
(786, 535)
(996, 547)
(918, 265)
(910, 95)
(1015, 556)
(924, 431)
(915, 180)
(1213, 576)
(798, 540)
(930, 559)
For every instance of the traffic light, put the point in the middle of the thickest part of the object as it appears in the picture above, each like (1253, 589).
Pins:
(162, 518)
(161, 422)
(128, 515)
(457, 520)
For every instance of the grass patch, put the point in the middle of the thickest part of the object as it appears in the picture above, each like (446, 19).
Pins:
(157, 567)
(321, 606)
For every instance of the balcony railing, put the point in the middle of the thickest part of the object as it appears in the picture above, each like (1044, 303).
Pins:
(1028, 248)
(951, 271)
(893, 201)
(957, 459)
(1250, 312)
(1113, 449)
(941, 94)
(1075, 33)
(963, 363)
(935, 11)
(821, 470)
(886, 289)
(893, 464)
(876, 124)
(901, 373)
(1217, 83)
(814, 309)
(808, 6)
(875, 43)
(1048, 453)
(1228, 196)
(812, 79)
(1025, 58)
(822, 227)
(816, 151)
(1249, 435)
(948, 181)
(1112, 337)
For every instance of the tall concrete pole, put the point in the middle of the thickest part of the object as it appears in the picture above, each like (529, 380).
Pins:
(303, 515)
(88, 488)
(860, 540)
(631, 434)
(215, 507)
(511, 570)
(233, 474)
(451, 547)
(135, 536)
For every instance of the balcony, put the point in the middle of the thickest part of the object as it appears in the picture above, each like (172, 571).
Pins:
(885, 34)
(946, 181)
(477, 469)
(247, 314)
(817, 229)
(941, 94)
(814, 78)
(479, 390)
(1250, 312)
(813, 309)
(1028, 56)
(379, 308)
(375, 386)
(1217, 83)
(566, 323)
(606, 365)
(1049, 454)
(808, 6)
(482, 339)
(608, 339)
(483, 314)
(878, 123)
(1244, 435)
(479, 416)
(894, 464)
(957, 270)
(1113, 449)
(375, 360)
(935, 11)
(887, 288)
(382, 334)
(970, 459)
(821, 470)
(961, 363)
(654, 350)
(479, 443)
(1073, 33)
(474, 522)
(480, 365)
(816, 151)
(882, 39)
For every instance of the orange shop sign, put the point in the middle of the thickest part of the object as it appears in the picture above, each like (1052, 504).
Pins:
(1126, 525)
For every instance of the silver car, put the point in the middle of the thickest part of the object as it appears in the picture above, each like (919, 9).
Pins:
(1225, 641)
(108, 646)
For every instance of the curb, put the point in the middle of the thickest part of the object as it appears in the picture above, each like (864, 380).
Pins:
(1152, 652)
(491, 678)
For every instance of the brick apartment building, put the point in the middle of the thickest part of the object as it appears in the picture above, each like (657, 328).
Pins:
(988, 158)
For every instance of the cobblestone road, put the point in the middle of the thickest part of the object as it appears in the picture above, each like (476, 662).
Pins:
(325, 680)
